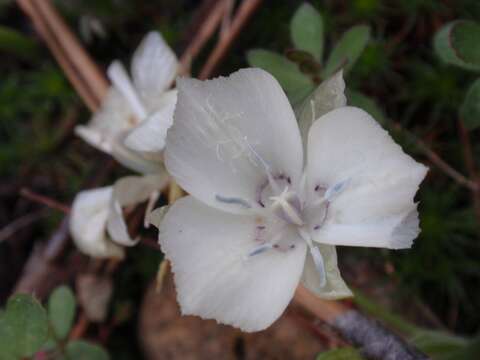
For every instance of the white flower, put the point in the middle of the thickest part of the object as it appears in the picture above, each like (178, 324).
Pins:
(97, 224)
(136, 113)
(261, 217)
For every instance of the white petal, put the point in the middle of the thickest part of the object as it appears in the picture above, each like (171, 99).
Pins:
(329, 95)
(150, 135)
(154, 66)
(88, 221)
(348, 149)
(129, 191)
(121, 81)
(113, 117)
(213, 277)
(335, 287)
(144, 163)
(394, 232)
(226, 132)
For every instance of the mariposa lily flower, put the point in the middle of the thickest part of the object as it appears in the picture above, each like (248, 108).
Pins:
(97, 224)
(131, 126)
(262, 214)
(136, 113)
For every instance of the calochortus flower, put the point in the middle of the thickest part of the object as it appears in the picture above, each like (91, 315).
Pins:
(97, 225)
(131, 125)
(136, 113)
(263, 214)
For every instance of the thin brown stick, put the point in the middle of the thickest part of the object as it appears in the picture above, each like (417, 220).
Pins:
(58, 53)
(436, 160)
(45, 26)
(323, 309)
(80, 327)
(375, 341)
(243, 14)
(44, 200)
(90, 72)
(202, 35)
(19, 223)
(471, 166)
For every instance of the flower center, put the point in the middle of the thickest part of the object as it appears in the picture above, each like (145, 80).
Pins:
(287, 207)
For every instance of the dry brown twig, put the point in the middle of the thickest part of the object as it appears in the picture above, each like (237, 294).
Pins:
(44, 200)
(228, 36)
(470, 165)
(19, 223)
(84, 75)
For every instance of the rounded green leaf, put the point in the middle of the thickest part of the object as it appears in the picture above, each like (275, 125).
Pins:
(306, 30)
(457, 43)
(61, 311)
(82, 350)
(348, 50)
(296, 84)
(470, 110)
(23, 326)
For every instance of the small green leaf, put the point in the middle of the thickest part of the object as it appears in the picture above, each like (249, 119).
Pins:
(470, 110)
(296, 84)
(298, 56)
(23, 326)
(366, 103)
(82, 350)
(306, 30)
(346, 353)
(348, 50)
(457, 43)
(61, 311)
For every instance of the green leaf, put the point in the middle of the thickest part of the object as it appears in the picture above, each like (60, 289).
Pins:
(306, 30)
(470, 110)
(366, 103)
(7, 345)
(348, 50)
(346, 353)
(437, 344)
(61, 311)
(16, 43)
(82, 350)
(457, 43)
(296, 84)
(23, 327)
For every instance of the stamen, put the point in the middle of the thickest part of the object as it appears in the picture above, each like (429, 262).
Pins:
(335, 189)
(120, 79)
(316, 255)
(233, 200)
(266, 167)
(258, 250)
(319, 264)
